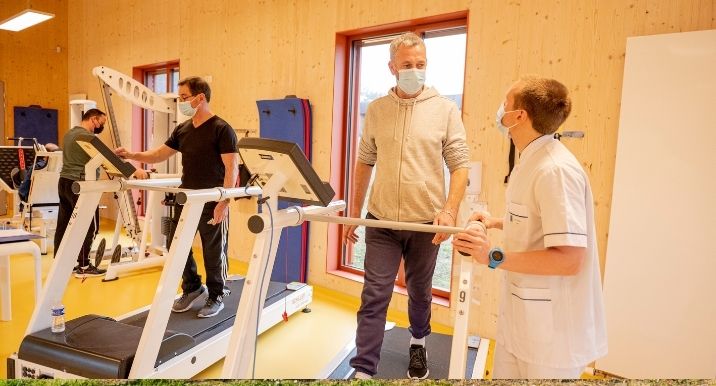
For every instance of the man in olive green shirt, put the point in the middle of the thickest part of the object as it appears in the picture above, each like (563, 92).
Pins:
(74, 159)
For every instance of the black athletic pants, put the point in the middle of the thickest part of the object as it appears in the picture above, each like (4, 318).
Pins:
(67, 204)
(214, 245)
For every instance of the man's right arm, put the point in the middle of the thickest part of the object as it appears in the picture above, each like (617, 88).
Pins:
(361, 179)
(367, 157)
(159, 154)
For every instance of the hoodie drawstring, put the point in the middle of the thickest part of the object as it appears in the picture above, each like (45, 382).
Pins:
(410, 123)
(395, 123)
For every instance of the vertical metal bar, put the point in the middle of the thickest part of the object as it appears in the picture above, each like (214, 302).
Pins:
(239, 361)
(65, 259)
(458, 351)
(161, 307)
(126, 198)
(148, 219)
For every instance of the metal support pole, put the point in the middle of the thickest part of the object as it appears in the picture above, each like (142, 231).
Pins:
(65, 259)
(156, 324)
(239, 361)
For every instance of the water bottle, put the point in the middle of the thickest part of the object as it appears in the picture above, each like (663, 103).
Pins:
(475, 225)
(58, 318)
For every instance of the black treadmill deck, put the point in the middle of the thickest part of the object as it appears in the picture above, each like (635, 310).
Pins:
(394, 358)
(93, 346)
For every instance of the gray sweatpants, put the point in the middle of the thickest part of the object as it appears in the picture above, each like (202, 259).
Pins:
(384, 250)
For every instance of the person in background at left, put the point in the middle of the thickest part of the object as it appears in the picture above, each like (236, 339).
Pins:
(74, 159)
(23, 190)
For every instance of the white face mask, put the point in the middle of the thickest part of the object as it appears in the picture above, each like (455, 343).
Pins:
(186, 109)
(504, 130)
(411, 80)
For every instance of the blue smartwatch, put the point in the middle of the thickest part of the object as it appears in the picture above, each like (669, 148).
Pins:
(497, 256)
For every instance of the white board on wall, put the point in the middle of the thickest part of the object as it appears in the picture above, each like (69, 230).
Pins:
(660, 275)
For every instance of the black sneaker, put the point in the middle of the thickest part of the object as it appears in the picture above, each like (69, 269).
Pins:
(418, 367)
(89, 271)
(187, 300)
(76, 268)
(211, 308)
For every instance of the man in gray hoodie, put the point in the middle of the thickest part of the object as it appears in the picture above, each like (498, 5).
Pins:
(407, 137)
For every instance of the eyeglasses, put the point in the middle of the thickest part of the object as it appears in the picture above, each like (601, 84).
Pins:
(184, 98)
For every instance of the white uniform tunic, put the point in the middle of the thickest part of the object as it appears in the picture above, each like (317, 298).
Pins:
(552, 321)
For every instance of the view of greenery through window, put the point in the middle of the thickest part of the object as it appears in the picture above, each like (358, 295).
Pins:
(445, 72)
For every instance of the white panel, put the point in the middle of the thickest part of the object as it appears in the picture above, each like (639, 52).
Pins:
(660, 276)
(474, 182)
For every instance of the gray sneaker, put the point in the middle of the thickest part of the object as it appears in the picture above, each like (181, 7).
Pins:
(188, 299)
(211, 308)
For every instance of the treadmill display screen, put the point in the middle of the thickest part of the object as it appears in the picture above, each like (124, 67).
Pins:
(114, 165)
(266, 157)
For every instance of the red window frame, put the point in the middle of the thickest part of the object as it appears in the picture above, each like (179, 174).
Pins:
(139, 73)
(343, 154)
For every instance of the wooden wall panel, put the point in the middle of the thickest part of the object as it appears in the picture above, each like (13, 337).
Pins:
(266, 49)
(120, 35)
(32, 67)
(33, 70)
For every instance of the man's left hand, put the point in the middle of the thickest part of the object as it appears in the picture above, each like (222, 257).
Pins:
(220, 212)
(445, 219)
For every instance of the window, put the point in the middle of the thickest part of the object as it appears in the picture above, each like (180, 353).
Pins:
(368, 78)
(161, 78)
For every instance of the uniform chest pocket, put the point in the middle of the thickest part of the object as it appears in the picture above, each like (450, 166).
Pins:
(532, 309)
(517, 214)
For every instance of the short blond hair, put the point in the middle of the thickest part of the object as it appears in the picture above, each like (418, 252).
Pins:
(546, 101)
(407, 39)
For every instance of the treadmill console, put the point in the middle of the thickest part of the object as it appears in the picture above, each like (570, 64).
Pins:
(114, 165)
(266, 157)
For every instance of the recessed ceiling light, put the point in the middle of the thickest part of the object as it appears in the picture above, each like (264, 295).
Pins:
(25, 19)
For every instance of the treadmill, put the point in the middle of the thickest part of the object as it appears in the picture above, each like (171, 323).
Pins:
(282, 171)
(82, 352)
(131, 346)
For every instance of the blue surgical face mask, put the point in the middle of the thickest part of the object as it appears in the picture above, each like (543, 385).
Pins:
(411, 80)
(504, 130)
(186, 109)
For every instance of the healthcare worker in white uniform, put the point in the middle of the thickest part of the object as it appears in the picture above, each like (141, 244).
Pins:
(551, 315)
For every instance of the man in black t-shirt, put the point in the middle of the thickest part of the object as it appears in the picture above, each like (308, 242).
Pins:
(209, 159)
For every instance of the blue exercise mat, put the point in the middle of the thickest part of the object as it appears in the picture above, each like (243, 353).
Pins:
(289, 119)
(36, 122)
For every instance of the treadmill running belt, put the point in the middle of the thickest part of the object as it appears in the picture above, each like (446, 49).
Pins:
(394, 357)
(201, 328)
